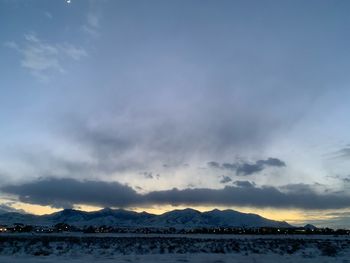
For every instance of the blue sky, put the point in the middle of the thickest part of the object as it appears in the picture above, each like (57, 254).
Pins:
(149, 95)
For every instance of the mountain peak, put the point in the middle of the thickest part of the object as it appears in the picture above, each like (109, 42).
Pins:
(106, 209)
(310, 227)
(67, 211)
(190, 210)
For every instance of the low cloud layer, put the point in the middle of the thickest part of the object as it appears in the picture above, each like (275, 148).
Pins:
(248, 168)
(67, 192)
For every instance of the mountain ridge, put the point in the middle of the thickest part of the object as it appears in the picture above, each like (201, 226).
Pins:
(186, 218)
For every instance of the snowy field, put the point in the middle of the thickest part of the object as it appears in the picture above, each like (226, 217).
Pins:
(16, 248)
(170, 258)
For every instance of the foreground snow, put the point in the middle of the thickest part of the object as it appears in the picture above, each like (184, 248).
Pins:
(198, 248)
(170, 258)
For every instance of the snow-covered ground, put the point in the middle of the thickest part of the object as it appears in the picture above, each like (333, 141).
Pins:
(170, 258)
(206, 236)
(171, 248)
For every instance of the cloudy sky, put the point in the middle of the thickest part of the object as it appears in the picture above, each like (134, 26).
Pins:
(156, 105)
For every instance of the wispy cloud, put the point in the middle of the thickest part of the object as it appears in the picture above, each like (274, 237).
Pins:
(92, 24)
(74, 52)
(343, 153)
(11, 44)
(48, 15)
(39, 56)
(42, 58)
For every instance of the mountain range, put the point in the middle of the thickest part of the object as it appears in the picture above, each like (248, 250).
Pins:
(187, 218)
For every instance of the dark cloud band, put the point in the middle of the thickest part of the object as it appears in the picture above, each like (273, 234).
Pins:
(66, 192)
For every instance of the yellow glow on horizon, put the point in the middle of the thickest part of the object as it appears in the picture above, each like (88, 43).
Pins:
(42, 210)
(36, 209)
(88, 208)
(292, 216)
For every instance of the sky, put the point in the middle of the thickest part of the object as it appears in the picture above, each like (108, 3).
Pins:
(161, 105)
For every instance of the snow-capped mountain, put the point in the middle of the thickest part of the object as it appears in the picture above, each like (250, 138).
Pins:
(214, 218)
(186, 218)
